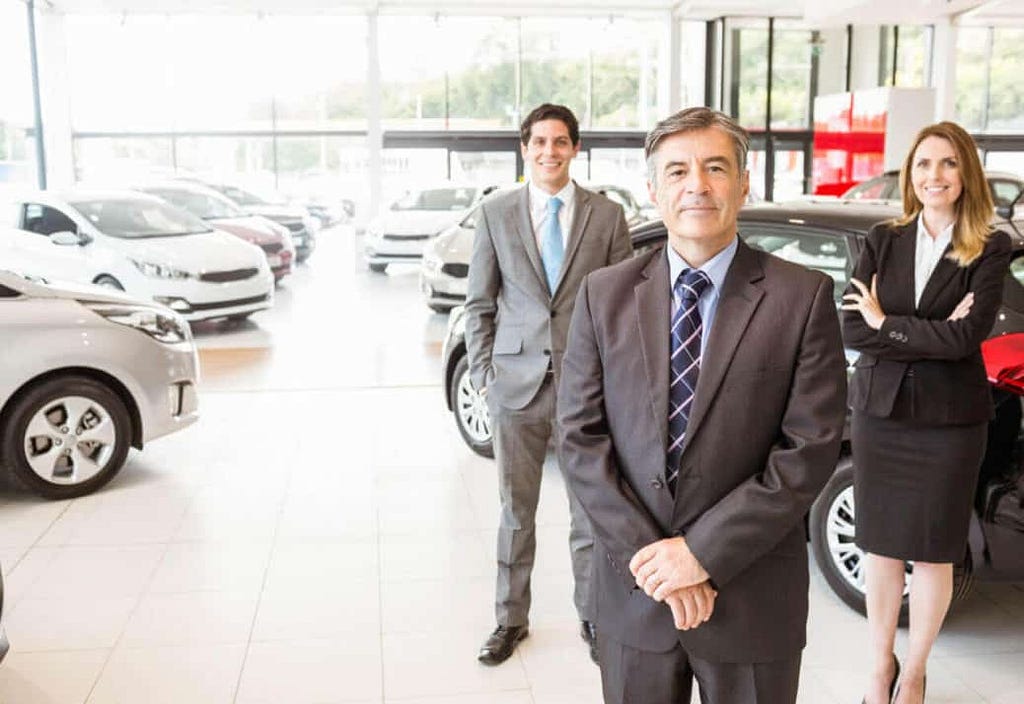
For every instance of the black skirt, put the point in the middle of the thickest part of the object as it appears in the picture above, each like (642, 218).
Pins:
(914, 486)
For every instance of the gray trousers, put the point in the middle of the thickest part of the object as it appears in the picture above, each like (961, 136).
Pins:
(630, 676)
(520, 446)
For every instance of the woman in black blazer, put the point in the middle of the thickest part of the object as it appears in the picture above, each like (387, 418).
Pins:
(924, 295)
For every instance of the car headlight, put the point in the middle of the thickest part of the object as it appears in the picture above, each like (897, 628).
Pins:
(431, 262)
(163, 325)
(160, 271)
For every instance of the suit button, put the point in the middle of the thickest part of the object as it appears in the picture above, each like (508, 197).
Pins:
(892, 334)
(657, 483)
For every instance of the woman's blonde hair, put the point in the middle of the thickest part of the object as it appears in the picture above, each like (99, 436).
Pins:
(974, 206)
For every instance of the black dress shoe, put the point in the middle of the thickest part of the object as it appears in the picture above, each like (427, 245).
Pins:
(499, 645)
(589, 634)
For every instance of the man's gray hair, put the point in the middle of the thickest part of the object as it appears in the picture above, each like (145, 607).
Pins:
(689, 120)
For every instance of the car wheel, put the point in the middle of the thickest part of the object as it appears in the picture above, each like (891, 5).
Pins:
(109, 282)
(470, 409)
(378, 268)
(65, 437)
(832, 529)
(440, 307)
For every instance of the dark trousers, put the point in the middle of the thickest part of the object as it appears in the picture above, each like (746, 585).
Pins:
(630, 676)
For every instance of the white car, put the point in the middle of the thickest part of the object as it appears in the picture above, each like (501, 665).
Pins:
(87, 374)
(140, 244)
(399, 235)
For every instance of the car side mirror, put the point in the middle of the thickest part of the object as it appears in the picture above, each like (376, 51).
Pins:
(66, 238)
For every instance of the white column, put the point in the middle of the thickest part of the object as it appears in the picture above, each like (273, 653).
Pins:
(943, 64)
(54, 91)
(864, 54)
(374, 132)
(669, 59)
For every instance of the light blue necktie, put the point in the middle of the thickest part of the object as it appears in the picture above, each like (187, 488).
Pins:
(552, 250)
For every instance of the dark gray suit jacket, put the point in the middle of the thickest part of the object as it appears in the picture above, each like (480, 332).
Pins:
(515, 326)
(925, 366)
(763, 437)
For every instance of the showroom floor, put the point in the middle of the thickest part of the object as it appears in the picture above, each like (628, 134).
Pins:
(322, 535)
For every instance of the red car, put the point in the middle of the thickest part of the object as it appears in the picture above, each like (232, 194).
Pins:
(221, 213)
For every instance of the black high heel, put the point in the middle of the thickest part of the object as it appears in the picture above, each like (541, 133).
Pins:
(892, 684)
(924, 691)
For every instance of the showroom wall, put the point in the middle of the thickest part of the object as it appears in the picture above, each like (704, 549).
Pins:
(17, 157)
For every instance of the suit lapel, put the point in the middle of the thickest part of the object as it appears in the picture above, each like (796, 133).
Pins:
(653, 313)
(579, 224)
(904, 248)
(520, 221)
(737, 302)
(944, 271)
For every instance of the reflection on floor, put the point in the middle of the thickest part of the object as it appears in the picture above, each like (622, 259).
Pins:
(323, 535)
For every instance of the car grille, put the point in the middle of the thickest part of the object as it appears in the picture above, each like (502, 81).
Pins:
(459, 271)
(230, 304)
(272, 248)
(406, 238)
(220, 277)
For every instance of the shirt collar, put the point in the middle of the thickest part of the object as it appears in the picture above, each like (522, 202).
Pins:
(539, 199)
(716, 268)
(943, 239)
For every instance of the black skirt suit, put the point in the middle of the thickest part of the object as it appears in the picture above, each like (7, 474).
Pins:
(920, 398)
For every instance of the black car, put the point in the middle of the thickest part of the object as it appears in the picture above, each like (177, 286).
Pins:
(827, 237)
(1006, 188)
(4, 644)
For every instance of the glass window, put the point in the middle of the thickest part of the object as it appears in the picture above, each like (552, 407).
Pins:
(750, 77)
(17, 159)
(828, 254)
(138, 218)
(1005, 161)
(324, 170)
(208, 206)
(480, 55)
(122, 159)
(246, 160)
(1006, 95)
(791, 77)
(1004, 192)
(622, 167)
(44, 220)
(625, 55)
(789, 174)
(971, 74)
(409, 169)
(555, 53)
(483, 168)
(912, 54)
(437, 199)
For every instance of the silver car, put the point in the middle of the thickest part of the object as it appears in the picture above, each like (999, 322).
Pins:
(87, 373)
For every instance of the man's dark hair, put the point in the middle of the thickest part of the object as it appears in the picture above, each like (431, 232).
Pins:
(549, 111)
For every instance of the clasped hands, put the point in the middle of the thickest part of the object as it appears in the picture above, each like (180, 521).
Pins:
(668, 572)
(866, 301)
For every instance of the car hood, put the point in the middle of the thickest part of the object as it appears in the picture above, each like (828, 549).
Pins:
(277, 211)
(251, 229)
(415, 222)
(67, 290)
(208, 251)
(454, 245)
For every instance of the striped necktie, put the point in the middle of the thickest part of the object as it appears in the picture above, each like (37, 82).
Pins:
(687, 329)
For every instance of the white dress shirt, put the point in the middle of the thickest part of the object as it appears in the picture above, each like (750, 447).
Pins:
(539, 211)
(929, 252)
(716, 268)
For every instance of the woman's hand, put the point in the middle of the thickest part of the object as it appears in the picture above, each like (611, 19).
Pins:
(962, 308)
(867, 303)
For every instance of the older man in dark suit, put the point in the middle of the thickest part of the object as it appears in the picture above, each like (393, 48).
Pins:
(701, 409)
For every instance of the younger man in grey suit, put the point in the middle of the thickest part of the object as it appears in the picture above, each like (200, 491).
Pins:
(701, 408)
(533, 247)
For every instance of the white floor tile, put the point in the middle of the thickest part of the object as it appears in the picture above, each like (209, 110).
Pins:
(186, 567)
(351, 610)
(57, 677)
(194, 674)
(191, 618)
(311, 672)
(71, 622)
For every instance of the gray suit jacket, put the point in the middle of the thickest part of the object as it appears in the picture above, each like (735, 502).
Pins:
(763, 437)
(515, 326)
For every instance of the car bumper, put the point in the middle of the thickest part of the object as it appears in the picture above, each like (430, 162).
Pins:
(168, 398)
(197, 300)
(393, 249)
(442, 289)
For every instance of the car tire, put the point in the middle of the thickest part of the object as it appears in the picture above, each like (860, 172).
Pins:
(73, 406)
(108, 282)
(378, 268)
(832, 529)
(470, 410)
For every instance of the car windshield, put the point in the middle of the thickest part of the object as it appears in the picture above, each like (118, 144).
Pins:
(133, 218)
(437, 199)
(202, 205)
